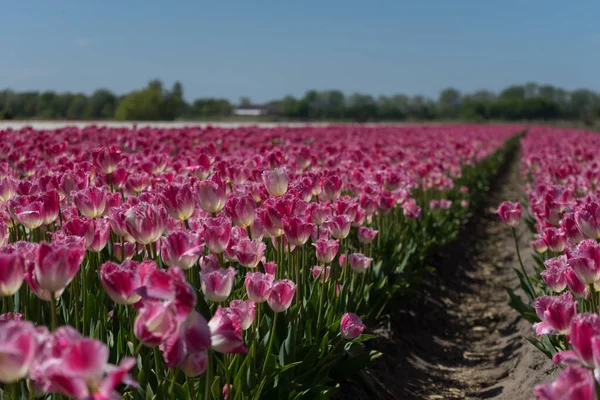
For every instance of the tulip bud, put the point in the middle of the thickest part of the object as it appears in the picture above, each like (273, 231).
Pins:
(121, 281)
(359, 262)
(351, 326)
(258, 286)
(18, 350)
(226, 332)
(12, 273)
(217, 283)
(282, 294)
(510, 213)
(275, 181)
(246, 310)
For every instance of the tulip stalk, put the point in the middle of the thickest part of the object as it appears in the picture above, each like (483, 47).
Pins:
(514, 232)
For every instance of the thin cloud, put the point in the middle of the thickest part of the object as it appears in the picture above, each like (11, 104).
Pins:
(82, 42)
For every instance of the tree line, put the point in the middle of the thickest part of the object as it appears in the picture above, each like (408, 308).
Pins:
(530, 101)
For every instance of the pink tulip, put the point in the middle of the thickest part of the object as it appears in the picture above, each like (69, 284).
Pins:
(411, 209)
(7, 188)
(571, 383)
(296, 230)
(331, 187)
(258, 286)
(366, 235)
(275, 181)
(577, 287)
(555, 275)
(155, 322)
(319, 212)
(585, 261)
(123, 252)
(583, 328)
(170, 286)
(195, 364)
(270, 267)
(12, 274)
(107, 159)
(587, 219)
(359, 262)
(90, 202)
(181, 249)
(18, 340)
(351, 326)
(569, 226)
(241, 210)
(100, 237)
(464, 203)
(226, 332)
(282, 294)
(322, 272)
(510, 213)
(246, 311)
(217, 283)
(31, 216)
(249, 252)
(121, 281)
(339, 226)
(212, 194)
(57, 264)
(50, 207)
(178, 200)
(555, 312)
(209, 261)
(11, 316)
(190, 339)
(555, 238)
(539, 245)
(145, 222)
(217, 233)
(326, 250)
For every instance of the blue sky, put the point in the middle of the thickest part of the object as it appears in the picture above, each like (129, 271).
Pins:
(266, 49)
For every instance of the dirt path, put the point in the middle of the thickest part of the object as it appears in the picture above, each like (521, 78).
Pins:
(458, 339)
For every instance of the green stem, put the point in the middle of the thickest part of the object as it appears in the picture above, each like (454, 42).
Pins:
(187, 224)
(157, 370)
(270, 345)
(53, 322)
(208, 382)
(514, 232)
(593, 298)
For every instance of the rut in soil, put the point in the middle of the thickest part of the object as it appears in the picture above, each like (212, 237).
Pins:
(458, 338)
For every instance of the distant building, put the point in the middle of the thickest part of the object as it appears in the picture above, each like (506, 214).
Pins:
(255, 110)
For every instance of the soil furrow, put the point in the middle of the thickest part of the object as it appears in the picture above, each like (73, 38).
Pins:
(458, 338)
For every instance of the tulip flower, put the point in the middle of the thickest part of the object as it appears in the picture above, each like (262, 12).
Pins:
(555, 238)
(107, 159)
(275, 181)
(217, 233)
(57, 264)
(241, 210)
(555, 275)
(121, 281)
(556, 313)
(366, 235)
(339, 226)
(31, 216)
(90, 202)
(326, 250)
(12, 274)
(583, 328)
(181, 249)
(155, 322)
(571, 383)
(178, 200)
(510, 213)
(18, 341)
(270, 267)
(195, 364)
(296, 230)
(217, 283)
(246, 311)
(226, 332)
(322, 272)
(351, 326)
(281, 296)
(258, 286)
(145, 222)
(211, 194)
(359, 262)
(331, 187)
(587, 219)
(7, 188)
(569, 226)
(249, 252)
(585, 261)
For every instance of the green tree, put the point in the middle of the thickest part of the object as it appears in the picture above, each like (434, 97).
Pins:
(449, 103)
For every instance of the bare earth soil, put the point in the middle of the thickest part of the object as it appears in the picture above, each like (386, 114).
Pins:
(458, 338)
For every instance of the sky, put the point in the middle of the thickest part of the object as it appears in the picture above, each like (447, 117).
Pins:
(266, 49)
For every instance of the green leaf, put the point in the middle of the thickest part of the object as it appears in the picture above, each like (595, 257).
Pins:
(526, 310)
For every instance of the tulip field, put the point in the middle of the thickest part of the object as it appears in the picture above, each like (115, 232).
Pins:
(561, 171)
(252, 263)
